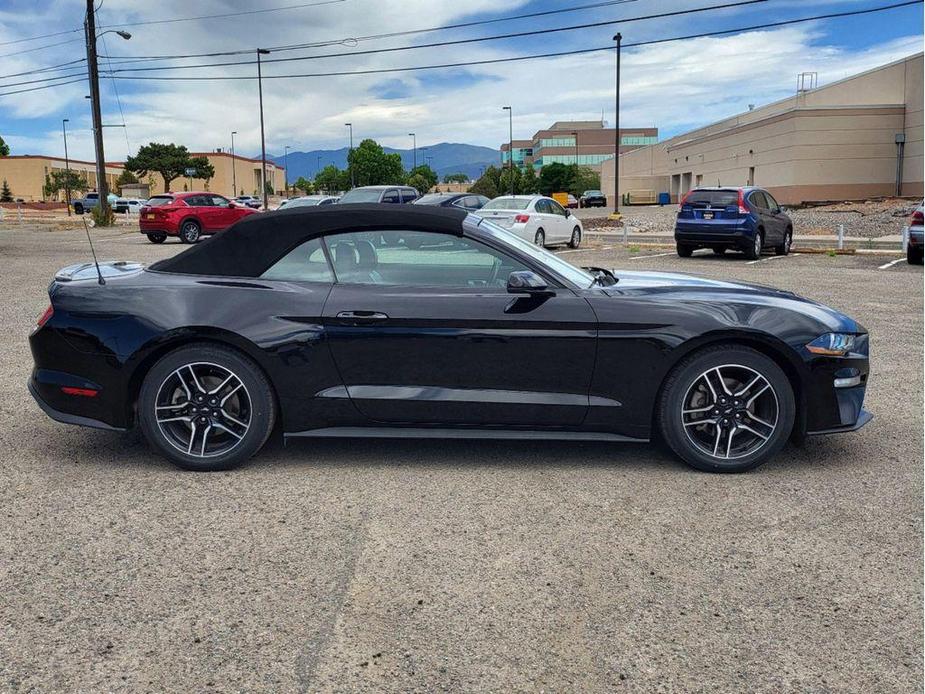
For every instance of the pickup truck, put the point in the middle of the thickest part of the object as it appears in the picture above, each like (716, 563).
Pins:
(86, 202)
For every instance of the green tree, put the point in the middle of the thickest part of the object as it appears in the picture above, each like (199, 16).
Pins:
(424, 176)
(555, 178)
(6, 195)
(488, 184)
(304, 185)
(4, 148)
(64, 180)
(268, 186)
(529, 183)
(332, 180)
(583, 179)
(170, 161)
(371, 166)
(126, 178)
(455, 178)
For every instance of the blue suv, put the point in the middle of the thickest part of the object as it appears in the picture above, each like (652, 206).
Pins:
(745, 219)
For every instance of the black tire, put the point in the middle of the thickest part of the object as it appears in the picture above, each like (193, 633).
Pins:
(720, 251)
(575, 241)
(687, 376)
(684, 250)
(78, 208)
(258, 398)
(753, 252)
(157, 237)
(914, 255)
(784, 247)
(190, 231)
(540, 238)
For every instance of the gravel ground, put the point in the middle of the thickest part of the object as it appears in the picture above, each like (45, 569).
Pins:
(870, 219)
(466, 566)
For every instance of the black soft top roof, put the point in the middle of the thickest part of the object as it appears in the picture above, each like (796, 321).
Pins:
(251, 246)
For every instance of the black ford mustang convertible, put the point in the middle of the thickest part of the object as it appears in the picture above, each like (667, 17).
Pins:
(359, 320)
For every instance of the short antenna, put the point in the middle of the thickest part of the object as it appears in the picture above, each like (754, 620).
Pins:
(95, 261)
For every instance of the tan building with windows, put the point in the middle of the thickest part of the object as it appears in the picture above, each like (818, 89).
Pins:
(855, 138)
(235, 175)
(25, 175)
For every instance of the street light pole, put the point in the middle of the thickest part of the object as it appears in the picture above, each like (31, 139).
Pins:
(234, 166)
(263, 143)
(510, 144)
(286, 149)
(67, 168)
(349, 153)
(616, 136)
(414, 150)
(575, 135)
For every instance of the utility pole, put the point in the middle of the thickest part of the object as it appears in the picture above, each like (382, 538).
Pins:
(414, 150)
(234, 165)
(286, 168)
(317, 165)
(349, 153)
(616, 136)
(263, 143)
(510, 144)
(101, 184)
(67, 168)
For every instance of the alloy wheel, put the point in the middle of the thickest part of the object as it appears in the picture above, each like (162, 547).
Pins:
(757, 245)
(576, 237)
(191, 232)
(203, 409)
(730, 411)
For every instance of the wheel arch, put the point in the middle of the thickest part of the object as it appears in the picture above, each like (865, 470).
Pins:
(768, 345)
(186, 336)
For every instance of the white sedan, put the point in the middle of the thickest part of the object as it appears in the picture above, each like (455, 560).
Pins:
(535, 218)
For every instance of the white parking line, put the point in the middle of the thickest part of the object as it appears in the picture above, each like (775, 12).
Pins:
(890, 264)
(654, 255)
(771, 257)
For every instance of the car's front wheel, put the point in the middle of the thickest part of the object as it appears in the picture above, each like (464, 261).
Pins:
(157, 237)
(575, 241)
(726, 408)
(540, 238)
(206, 407)
(684, 250)
(190, 231)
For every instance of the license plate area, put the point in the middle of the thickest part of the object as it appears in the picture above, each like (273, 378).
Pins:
(149, 216)
(708, 215)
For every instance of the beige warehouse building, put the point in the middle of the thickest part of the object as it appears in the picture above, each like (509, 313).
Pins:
(25, 174)
(855, 138)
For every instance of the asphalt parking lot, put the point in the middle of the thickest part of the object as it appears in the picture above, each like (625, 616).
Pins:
(471, 565)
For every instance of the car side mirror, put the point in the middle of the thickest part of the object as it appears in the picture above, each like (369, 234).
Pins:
(231, 205)
(527, 282)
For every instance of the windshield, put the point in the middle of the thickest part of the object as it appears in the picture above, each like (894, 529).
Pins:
(362, 195)
(573, 274)
(435, 199)
(507, 203)
(594, 192)
(159, 200)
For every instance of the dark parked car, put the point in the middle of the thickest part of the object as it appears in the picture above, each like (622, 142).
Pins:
(300, 317)
(592, 198)
(465, 201)
(188, 216)
(394, 195)
(914, 249)
(744, 219)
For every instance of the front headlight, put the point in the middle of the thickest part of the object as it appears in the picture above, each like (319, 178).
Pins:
(832, 344)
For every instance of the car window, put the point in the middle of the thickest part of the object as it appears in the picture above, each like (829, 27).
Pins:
(328, 201)
(390, 196)
(305, 263)
(418, 259)
(758, 200)
(556, 208)
(408, 195)
(219, 201)
(772, 203)
(507, 203)
(472, 202)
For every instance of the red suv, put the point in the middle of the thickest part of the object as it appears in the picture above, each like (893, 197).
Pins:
(188, 215)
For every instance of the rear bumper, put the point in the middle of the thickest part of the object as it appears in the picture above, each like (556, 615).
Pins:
(915, 237)
(159, 230)
(738, 235)
(65, 417)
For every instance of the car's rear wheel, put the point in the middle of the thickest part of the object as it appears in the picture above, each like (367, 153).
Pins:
(190, 231)
(753, 252)
(684, 250)
(206, 407)
(914, 255)
(575, 241)
(157, 237)
(726, 408)
(540, 238)
(784, 247)
(78, 208)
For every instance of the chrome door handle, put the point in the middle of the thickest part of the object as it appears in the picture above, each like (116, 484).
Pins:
(362, 315)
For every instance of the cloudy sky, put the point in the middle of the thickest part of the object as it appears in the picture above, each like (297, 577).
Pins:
(674, 86)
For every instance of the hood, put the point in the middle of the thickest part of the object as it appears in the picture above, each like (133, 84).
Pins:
(652, 280)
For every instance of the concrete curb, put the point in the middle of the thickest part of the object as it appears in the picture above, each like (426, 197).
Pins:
(891, 243)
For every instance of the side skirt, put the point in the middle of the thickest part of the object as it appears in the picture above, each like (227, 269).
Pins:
(452, 433)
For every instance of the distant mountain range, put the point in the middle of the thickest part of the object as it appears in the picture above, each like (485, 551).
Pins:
(444, 158)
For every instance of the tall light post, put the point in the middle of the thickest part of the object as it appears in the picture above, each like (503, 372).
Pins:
(317, 165)
(510, 144)
(263, 143)
(91, 36)
(286, 149)
(349, 153)
(616, 136)
(414, 151)
(67, 168)
(575, 135)
(234, 166)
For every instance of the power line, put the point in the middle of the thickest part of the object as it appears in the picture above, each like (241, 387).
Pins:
(439, 44)
(40, 36)
(44, 79)
(769, 25)
(48, 86)
(226, 14)
(40, 48)
(371, 37)
(47, 68)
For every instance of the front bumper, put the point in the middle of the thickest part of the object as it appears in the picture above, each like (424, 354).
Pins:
(864, 417)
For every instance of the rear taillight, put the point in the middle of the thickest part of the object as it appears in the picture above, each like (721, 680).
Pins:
(743, 209)
(81, 392)
(684, 199)
(521, 219)
(45, 317)
(916, 218)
